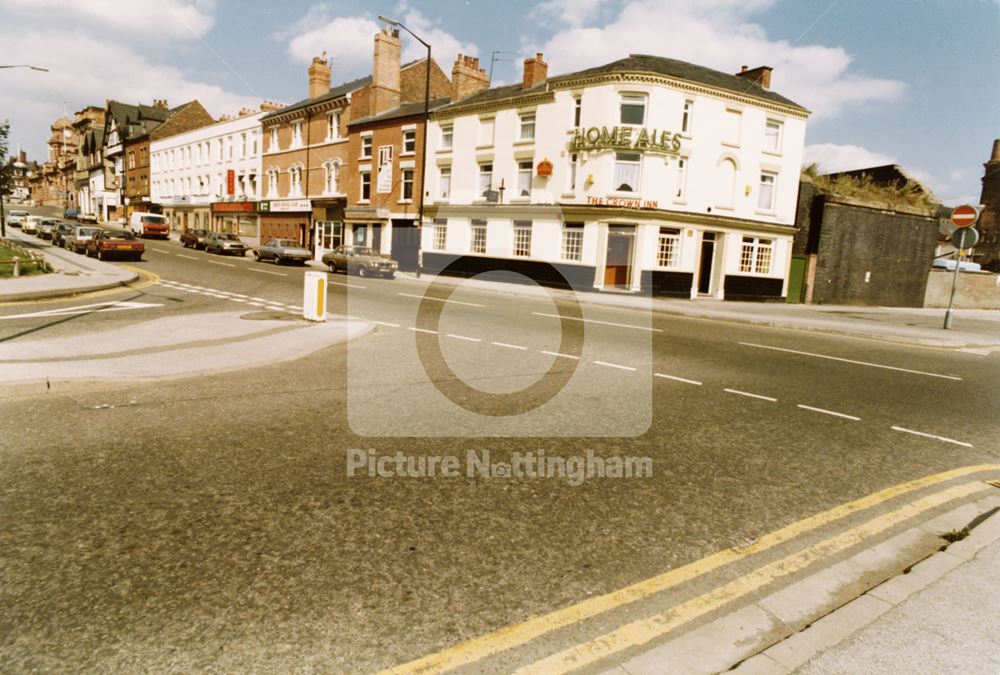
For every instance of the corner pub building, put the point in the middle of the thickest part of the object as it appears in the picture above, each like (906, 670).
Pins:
(643, 175)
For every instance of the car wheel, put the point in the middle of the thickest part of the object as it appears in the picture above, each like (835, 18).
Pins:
(100, 254)
(390, 275)
(277, 260)
(362, 271)
(333, 267)
(256, 256)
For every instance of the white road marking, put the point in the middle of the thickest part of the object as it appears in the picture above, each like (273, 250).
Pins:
(386, 323)
(237, 299)
(462, 337)
(189, 257)
(508, 346)
(297, 308)
(614, 365)
(747, 393)
(677, 379)
(860, 363)
(453, 302)
(85, 309)
(156, 250)
(981, 352)
(216, 262)
(277, 274)
(253, 297)
(603, 323)
(422, 330)
(829, 412)
(562, 356)
(935, 437)
(255, 304)
(346, 285)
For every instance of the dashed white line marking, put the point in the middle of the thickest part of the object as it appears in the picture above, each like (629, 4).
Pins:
(253, 297)
(422, 330)
(156, 250)
(189, 257)
(345, 285)
(508, 346)
(843, 360)
(677, 379)
(277, 274)
(747, 393)
(237, 299)
(453, 302)
(603, 323)
(255, 304)
(297, 308)
(934, 436)
(980, 352)
(216, 262)
(463, 337)
(561, 356)
(614, 365)
(386, 323)
(829, 412)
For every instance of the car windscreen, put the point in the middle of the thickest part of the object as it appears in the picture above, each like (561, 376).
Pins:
(154, 220)
(119, 234)
(227, 236)
(288, 243)
(364, 250)
(87, 231)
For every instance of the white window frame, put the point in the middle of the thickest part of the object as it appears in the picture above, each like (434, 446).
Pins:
(768, 185)
(409, 141)
(522, 238)
(488, 175)
(331, 180)
(447, 136)
(485, 140)
(440, 234)
(297, 134)
(361, 186)
(633, 99)
(680, 194)
(572, 242)
(756, 255)
(272, 144)
(295, 180)
(477, 239)
(526, 130)
(668, 247)
(366, 146)
(444, 182)
(729, 116)
(621, 171)
(407, 179)
(525, 169)
(333, 125)
(574, 160)
(772, 135)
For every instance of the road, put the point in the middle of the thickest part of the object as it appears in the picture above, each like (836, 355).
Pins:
(209, 522)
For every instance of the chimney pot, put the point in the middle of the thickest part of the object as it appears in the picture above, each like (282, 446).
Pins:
(536, 71)
(743, 69)
(386, 86)
(319, 76)
(466, 78)
(995, 157)
(761, 75)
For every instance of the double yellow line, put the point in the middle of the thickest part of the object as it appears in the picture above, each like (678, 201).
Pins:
(643, 631)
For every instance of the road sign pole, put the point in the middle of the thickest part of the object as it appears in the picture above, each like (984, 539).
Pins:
(954, 286)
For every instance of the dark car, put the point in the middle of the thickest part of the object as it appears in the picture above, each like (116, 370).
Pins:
(45, 228)
(224, 243)
(194, 238)
(59, 233)
(71, 214)
(107, 244)
(360, 260)
(281, 251)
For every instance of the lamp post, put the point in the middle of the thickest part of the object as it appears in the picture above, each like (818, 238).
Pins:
(423, 151)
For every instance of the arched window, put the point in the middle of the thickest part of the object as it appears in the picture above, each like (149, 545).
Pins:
(331, 181)
(272, 182)
(727, 182)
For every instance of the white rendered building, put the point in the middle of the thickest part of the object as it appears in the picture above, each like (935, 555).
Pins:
(646, 174)
(210, 177)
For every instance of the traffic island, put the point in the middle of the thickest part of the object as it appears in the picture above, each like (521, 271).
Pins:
(17, 261)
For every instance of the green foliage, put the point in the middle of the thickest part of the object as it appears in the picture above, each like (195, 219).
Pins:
(6, 170)
(27, 266)
(863, 188)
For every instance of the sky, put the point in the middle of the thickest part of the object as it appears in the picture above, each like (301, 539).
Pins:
(912, 82)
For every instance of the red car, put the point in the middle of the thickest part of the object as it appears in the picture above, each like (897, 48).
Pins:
(115, 244)
(194, 238)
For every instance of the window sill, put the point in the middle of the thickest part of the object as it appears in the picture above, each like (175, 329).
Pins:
(485, 147)
(405, 201)
(520, 200)
(363, 157)
(761, 212)
(524, 141)
(772, 153)
(364, 201)
(680, 202)
(339, 139)
(568, 195)
(724, 208)
(444, 151)
(727, 144)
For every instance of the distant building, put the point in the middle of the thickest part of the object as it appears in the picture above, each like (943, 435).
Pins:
(53, 183)
(21, 172)
(987, 252)
(88, 124)
(122, 122)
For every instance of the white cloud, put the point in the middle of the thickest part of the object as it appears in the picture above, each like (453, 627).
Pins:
(720, 34)
(574, 13)
(155, 20)
(832, 157)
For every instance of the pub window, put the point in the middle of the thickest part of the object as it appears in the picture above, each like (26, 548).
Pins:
(633, 109)
(524, 179)
(527, 127)
(447, 136)
(522, 238)
(478, 236)
(772, 136)
(485, 178)
(627, 171)
(440, 233)
(755, 255)
(669, 247)
(444, 184)
(765, 193)
(409, 141)
(572, 241)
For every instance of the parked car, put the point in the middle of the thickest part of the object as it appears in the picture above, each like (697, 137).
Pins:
(78, 237)
(282, 250)
(224, 243)
(15, 218)
(30, 224)
(45, 227)
(949, 264)
(360, 260)
(71, 213)
(87, 218)
(62, 229)
(194, 238)
(107, 244)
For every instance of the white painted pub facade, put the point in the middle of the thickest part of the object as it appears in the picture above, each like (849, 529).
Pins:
(647, 174)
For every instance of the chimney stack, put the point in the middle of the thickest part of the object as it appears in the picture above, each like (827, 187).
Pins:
(467, 78)
(319, 76)
(385, 90)
(760, 75)
(22, 156)
(270, 106)
(995, 157)
(160, 103)
(536, 71)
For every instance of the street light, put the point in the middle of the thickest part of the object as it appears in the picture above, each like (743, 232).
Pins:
(423, 153)
(24, 65)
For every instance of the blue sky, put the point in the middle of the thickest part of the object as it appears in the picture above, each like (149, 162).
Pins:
(916, 82)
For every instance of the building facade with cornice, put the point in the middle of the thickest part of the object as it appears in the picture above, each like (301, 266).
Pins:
(643, 175)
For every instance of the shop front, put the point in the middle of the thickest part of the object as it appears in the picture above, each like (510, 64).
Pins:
(183, 215)
(240, 218)
(286, 219)
(328, 226)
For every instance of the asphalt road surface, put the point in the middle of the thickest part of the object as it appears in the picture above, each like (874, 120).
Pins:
(210, 522)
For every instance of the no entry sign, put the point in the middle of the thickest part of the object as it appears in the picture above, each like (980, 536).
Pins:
(964, 216)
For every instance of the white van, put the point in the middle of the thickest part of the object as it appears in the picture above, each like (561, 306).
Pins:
(145, 224)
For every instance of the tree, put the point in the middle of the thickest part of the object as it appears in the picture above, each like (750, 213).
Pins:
(6, 174)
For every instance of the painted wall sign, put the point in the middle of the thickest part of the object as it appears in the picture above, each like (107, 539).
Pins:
(288, 205)
(623, 202)
(233, 207)
(625, 138)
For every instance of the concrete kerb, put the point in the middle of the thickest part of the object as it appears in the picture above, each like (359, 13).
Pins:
(819, 320)
(787, 628)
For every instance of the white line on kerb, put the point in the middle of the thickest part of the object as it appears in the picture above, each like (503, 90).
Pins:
(860, 363)
(677, 379)
(614, 365)
(189, 257)
(935, 437)
(603, 323)
(462, 337)
(747, 393)
(829, 412)
(277, 274)
(508, 346)
(386, 323)
(562, 356)
(422, 330)
(427, 297)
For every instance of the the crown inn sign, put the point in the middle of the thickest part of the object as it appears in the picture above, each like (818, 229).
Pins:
(625, 138)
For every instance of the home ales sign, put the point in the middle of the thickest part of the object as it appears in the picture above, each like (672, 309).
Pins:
(625, 138)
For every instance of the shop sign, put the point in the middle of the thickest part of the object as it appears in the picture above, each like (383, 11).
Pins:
(287, 205)
(384, 182)
(623, 202)
(625, 138)
(233, 207)
(230, 182)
